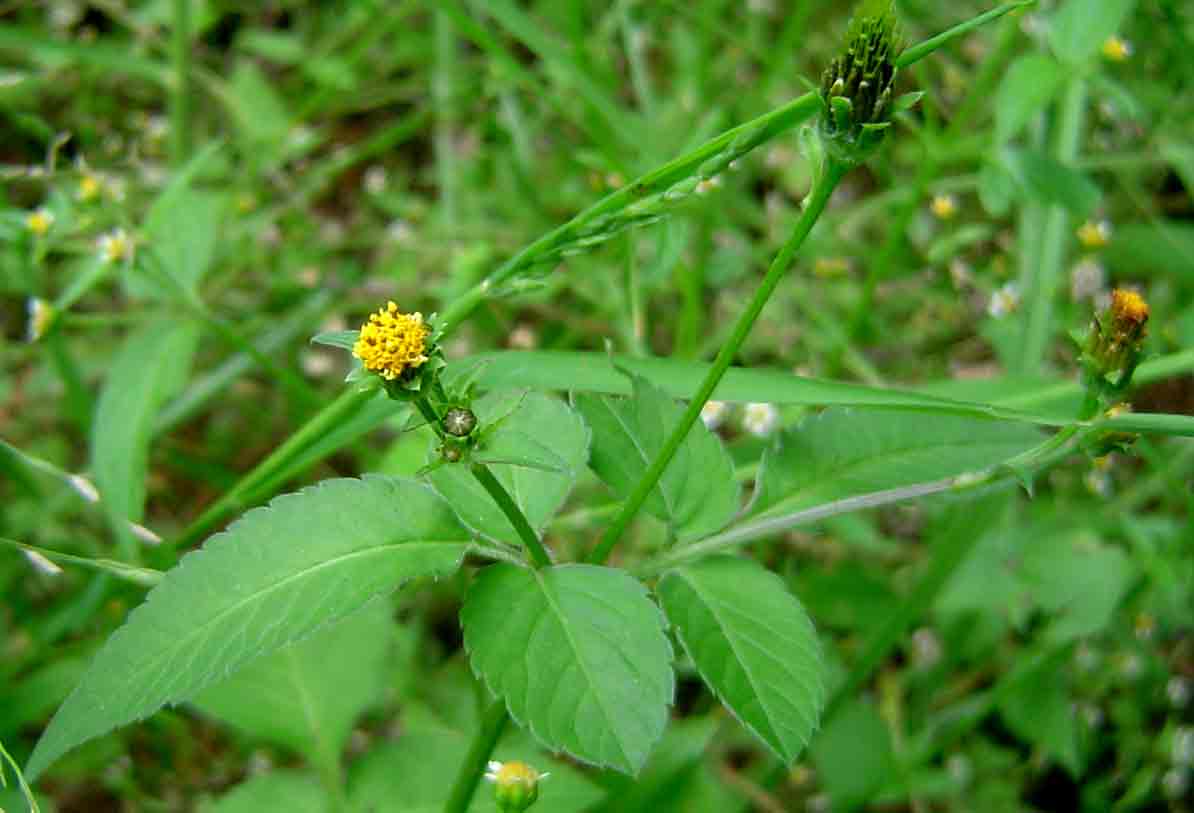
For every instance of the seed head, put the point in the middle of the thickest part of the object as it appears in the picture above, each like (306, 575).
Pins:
(459, 422)
(858, 85)
(392, 343)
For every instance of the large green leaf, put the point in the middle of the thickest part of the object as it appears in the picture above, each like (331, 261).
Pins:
(275, 576)
(753, 644)
(307, 696)
(536, 447)
(149, 368)
(843, 452)
(697, 494)
(1047, 180)
(578, 653)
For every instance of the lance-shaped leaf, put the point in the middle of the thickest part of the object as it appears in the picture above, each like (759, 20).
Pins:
(535, 445)
(844, 452)
(697, 494)
(578, 653)
(275, 576)
(753, 644)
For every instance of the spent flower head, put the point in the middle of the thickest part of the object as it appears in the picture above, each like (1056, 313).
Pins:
(516, 785)
(857, 87)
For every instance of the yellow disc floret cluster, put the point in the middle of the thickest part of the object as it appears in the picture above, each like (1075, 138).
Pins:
(392, 342)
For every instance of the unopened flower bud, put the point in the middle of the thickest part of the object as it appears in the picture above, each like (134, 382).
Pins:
(516, 785)
(1115, 342)
(459, 422)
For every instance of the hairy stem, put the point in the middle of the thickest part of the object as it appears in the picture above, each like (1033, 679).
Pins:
(818, 198)
(510, 508)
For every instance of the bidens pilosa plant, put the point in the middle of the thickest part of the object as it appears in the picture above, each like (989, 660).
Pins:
(577, 639)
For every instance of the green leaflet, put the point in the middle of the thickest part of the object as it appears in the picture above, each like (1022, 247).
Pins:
(578, 653)
(753, 644)
(1081, 26)
(150, 366)
(276, 575)
(291, 791)
(843, 452)
(536, 447)
(697, 494)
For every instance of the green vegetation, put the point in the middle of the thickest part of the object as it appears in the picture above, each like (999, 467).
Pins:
(568, 406)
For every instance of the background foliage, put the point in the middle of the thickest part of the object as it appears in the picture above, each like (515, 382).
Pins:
(326, 157)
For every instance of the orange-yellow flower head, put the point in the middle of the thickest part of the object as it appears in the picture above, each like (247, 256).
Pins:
(392, 342)
(1129, 312)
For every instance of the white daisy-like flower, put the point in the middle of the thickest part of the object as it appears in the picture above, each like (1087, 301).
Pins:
(375, 179)
(115, 246)
(1178, 691)
(39, 221)
(760, 419)
(1004, 301)
(713, 413)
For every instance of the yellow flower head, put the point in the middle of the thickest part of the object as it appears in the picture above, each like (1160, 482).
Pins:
(39, 221)
(1116, 49)
(1092, 234)
(90, 187)
(392, 342)
(1129, 313)
(115, 246)
(944, 206)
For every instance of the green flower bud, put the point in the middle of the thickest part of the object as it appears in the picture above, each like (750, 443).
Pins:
(857, 88)
(459, 422)
(516, 785)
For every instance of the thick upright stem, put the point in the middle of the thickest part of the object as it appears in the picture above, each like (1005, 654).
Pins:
(818, 198)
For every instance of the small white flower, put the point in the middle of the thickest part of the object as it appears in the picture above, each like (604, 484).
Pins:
(944, 206)
(42, 564)
(40, 221)
(115, 246)
(1130, 666)
(41, 316)
(713, 413)
(1183, 746)
(375, 179)
(1004, 301)
(399, 231)
(760, 419)
(959, 768)
(1087, 278)
(926, 648)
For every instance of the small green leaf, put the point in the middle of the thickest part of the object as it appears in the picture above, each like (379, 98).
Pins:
(307, 696)
(536, 446)
(753, 644)
(697, 494)
(843, 452)
(854, 756)
(578, 653)
(149, 368)
(275, 576)
(1080, 27)
(1028, 86)
(1035, 704)
(1044, 179)
(1160, 248)
(343, 339)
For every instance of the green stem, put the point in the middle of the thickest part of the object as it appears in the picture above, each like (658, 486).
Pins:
(721, 151)
(513, 513)
(339, 410)
(473, 767)
(818, 198)
(430, 415)
(180, 97)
